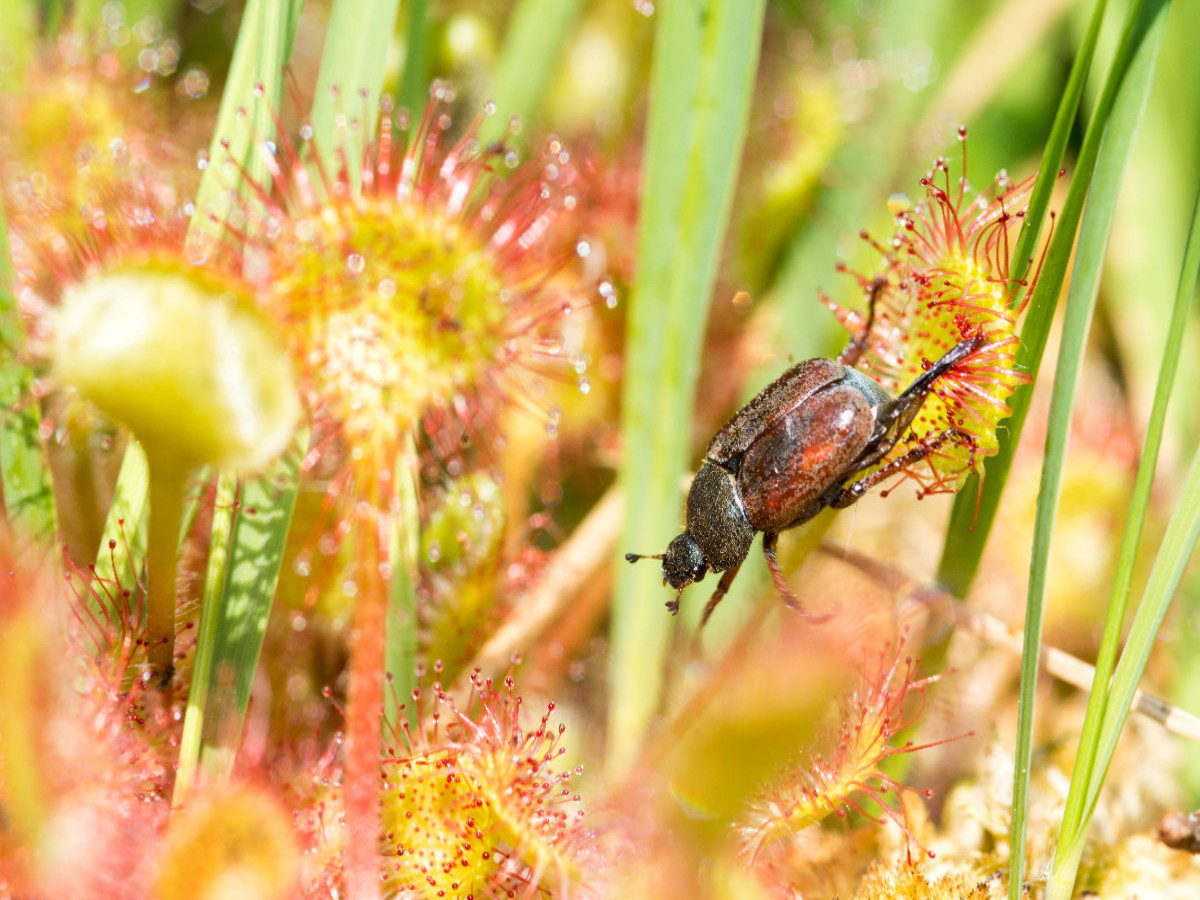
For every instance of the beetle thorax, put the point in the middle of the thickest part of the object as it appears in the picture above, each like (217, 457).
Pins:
(716, 518)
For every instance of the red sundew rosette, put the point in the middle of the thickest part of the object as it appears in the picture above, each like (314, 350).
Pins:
(475, 799)
(413, 310)
(850, 774)
(416, 308)
(944, 280)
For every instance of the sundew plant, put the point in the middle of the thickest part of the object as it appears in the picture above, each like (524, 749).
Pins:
(349, 347)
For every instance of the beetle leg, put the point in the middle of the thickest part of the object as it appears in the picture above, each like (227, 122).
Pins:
(849, 495)
(770, 539)
(895, 417)
(673, 605)
(858, 344)
(719, 594)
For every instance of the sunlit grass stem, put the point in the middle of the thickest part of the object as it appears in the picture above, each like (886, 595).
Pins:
(167, 482)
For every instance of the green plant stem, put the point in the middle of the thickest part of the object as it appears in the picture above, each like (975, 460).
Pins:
(705, 56)
(210, 618)
(243, 605)
(414, 86)
(974, 511)
(350, 81)
(1069, 847)
(167, 483)
(537, 33)
(1105, 152)
(400, 653)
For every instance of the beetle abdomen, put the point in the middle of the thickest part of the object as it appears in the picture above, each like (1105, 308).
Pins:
(716, 519)
(788, 391)
(788, 470)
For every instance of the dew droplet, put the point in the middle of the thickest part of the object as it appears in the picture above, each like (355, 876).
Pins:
(355, 263)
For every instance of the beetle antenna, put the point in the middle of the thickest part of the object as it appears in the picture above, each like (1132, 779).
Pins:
(634, 557)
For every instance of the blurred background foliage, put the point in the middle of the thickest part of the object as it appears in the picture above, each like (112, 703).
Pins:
(842, 105)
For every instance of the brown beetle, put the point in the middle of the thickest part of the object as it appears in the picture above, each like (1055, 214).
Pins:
(789, 453)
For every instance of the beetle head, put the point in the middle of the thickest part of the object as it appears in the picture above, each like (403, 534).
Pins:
(683, 562)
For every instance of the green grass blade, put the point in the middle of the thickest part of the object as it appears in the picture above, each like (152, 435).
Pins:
(124, 538)
(1089, 263)
(353, 65)
(414, 87)
(400, 659)
(1077, 815)
(259, 537)
(263, 46)
(970, 524)
(1173, 555)
(705, 56)
(210, 617)
(537, 32)
(24, 470)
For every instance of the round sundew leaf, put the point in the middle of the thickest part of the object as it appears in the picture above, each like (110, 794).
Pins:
(188, 365)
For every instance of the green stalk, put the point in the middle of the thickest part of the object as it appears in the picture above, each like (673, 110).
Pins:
(210, 616)
(1076, 816)
(705, 56)
(353, 65)
(263, 45)
(537, 33)
(971, 518)
(167, 483)
(414, 88)
(247, 594)
(400, 654)
(1089, 262)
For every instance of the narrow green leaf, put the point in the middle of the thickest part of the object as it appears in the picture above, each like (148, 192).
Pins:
(210, 617)
(252, 92)
(537, 32)
(1078, 813)
(414, 88)
(124, 538)
(973, 513)
(353, 64)
(258, 540)
(400, 653)
(705, 56)
(24, 471)
(1089, 263)
(1173, 555)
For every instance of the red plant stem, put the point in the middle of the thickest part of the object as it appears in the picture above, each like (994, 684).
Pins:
(364, 714)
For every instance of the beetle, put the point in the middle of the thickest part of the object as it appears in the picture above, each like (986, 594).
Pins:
(789, 453)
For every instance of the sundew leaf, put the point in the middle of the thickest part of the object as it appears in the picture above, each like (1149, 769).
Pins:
(705, 56)
(264, 43)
